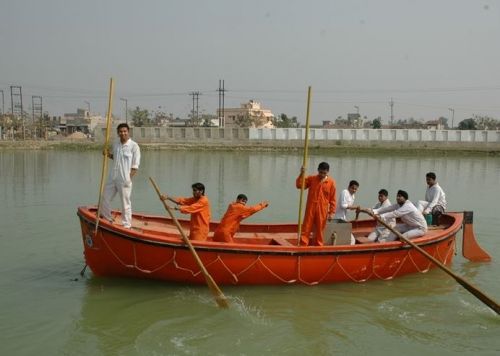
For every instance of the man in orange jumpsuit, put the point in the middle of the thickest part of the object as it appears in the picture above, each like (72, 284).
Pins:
(199, 208)
(236, 212)
(321, 204)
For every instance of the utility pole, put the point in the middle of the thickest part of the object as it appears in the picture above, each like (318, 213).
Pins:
(3, 103)
(220, 112)
(391, 104)
(16, 104)
(126, 109)
(37, 111)
(88, 106)
(452, 117)
(195, 95)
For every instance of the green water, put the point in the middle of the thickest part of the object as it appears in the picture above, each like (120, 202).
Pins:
(47, 308)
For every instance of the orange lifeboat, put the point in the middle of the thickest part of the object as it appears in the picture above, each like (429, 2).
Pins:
(262, 254)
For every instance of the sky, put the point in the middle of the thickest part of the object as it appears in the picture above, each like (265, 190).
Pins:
(428, 56)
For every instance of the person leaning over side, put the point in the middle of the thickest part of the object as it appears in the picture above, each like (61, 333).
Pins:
(199, 208)
(126, 156)
(380, 231)
(236, 212)
(414, 224)
(320, 205)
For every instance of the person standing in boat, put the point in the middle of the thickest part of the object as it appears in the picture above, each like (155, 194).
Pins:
(346, 202)
(320, 206)
(236, 212)
(199, 208)
(126, 156)
(413, 222)
(381, 232)
(434, 196)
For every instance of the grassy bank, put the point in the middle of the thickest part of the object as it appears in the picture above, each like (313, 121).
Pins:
(336, 147)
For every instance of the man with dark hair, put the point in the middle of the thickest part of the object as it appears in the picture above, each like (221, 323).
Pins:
(434, 196)
(236, 212)
(380, 231)
(346, 202)
(126, 156)
(414, 224)
(320, 206)
(199, 208)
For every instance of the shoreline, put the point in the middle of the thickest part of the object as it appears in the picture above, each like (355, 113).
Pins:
(332, 147)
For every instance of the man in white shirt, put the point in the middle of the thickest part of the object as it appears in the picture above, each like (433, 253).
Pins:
(414, 224)
(346, 201)
(381, 232)
(126, 157)
(434, 196)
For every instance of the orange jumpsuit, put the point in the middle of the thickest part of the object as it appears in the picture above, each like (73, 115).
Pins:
(200, 216)
(230, 223)
(321, 201)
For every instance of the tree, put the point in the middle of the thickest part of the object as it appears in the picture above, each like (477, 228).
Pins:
(377, 123)
(284, 121)
(485, 122)
(467, 124)
(140, 117)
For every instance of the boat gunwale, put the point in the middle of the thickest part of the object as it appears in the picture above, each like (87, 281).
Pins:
(243, 248)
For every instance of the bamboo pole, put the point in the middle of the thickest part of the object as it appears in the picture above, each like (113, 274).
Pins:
(105, 156)
(304, 165)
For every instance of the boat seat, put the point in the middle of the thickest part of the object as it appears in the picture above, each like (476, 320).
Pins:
(280, 241)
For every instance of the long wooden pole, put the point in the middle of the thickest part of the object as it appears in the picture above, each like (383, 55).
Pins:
(220, 298)
(304, 165)
(467, 285)
(105, 156)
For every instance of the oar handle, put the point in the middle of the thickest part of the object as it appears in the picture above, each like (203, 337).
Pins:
(467, 285)
(220, 298)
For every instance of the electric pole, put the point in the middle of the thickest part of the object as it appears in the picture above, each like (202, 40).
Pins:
(195, 95)
(220, 112)
(3, 103)
(391, 104)
(126, 109)
(16, 104)
(452, 117)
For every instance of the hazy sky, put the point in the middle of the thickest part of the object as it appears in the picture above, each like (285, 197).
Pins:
(429, 55)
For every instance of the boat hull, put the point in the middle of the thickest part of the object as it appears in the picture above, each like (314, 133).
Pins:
(259, 259)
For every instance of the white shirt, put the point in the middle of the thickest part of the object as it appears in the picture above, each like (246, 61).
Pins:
(385, 204)
(435, 196)
(407, 212)
(346, 200)
(126, 156)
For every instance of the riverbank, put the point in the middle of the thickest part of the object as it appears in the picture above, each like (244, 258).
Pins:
(332, 147)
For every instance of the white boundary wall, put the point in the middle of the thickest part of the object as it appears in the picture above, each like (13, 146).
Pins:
(377, 135)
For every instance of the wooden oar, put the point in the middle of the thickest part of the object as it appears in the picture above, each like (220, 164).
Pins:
(105, 156)
(304, 164)
(220, 298)
(467, 285)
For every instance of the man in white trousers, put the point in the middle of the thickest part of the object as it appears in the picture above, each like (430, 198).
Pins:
(413, 222)
(126, 157)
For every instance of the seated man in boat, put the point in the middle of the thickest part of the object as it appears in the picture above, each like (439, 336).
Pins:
(199, 208)
(435, 199)
(346, 202)
(236, 212)
(320, 206)
(413, 222)
(381, 232)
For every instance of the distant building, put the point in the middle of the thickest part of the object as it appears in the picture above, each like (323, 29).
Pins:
(249, 114)
(81, 121)
(434, 125)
